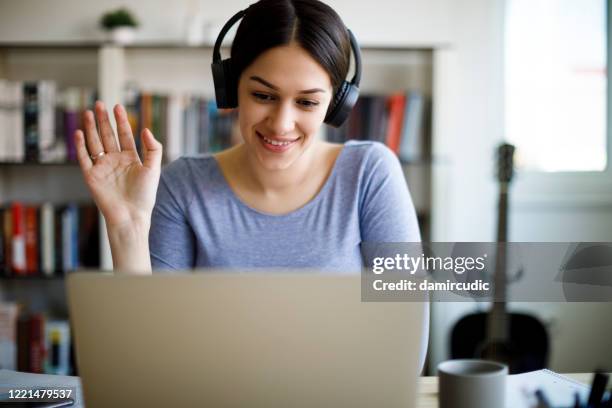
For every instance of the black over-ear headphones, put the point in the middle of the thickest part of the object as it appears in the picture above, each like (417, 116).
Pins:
(226, 83)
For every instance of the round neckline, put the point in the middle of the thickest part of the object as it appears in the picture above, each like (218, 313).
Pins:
(297, 211)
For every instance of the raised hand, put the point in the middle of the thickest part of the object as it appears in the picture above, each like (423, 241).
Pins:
(122, 186)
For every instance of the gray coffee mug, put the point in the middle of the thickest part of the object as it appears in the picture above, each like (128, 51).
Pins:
(472, 384)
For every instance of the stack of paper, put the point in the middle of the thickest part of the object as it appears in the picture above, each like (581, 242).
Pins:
(559, 390)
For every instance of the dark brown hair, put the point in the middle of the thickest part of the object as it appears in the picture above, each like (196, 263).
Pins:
(315, 26)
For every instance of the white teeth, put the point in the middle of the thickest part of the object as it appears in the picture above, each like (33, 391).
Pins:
(276, 143)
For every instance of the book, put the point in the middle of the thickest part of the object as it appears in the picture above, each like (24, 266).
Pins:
(4, 118)
(3, 265)
(47, 101)
(206, 132)
(57, 346)
(59, 239)
(31, 239)
(18, 255)
(7, 239)
(23, 343)
(31, 120)
(15, 144)
(37, 343)
(88, 237)
(71, 112)
(359, 119)
(132, 108)
(411, 145)
(47, 239)
(8, 335)
(396, 107)
(69, 237)
(174, 127)
(377, 124)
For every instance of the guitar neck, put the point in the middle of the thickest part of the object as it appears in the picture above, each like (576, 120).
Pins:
(497, 328)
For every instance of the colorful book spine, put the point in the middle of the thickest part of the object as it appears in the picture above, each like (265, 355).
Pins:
(411, 145)
(4, 120)
(7, 239)
(37, 343)
(397, 105)
(174, 128)
(3, 265)
(47, 237)
(18, 257)
(30, 120)
(68, 242)
(31, 240)
(59, 239)
(47, 100)
(23, 343)
(57, 346)
(89, 237)
(72, 107)
(12, 142)
(8, 336)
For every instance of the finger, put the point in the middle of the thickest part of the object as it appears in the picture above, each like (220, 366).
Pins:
(151, 150)
(82, 155)
(106, 131)
(94, 144)
(126, 138)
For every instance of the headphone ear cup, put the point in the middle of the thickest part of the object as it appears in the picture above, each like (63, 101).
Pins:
(343, 103)
(226, 89)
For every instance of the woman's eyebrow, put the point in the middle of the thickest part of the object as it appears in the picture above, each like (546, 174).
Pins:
(274, 87)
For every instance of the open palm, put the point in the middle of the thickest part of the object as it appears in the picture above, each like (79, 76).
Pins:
(122, 186)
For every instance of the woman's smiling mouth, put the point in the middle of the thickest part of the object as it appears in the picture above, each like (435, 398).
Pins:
(276, 146)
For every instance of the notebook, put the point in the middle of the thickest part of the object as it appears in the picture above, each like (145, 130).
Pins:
(559, 389)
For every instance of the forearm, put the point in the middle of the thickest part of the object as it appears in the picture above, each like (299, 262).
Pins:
(130, 249)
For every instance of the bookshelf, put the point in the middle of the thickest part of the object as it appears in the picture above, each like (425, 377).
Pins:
(146, 66)
(166, 67)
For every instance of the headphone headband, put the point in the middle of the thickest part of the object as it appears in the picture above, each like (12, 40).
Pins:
(223, 32)
(357, 55)
(226, 83)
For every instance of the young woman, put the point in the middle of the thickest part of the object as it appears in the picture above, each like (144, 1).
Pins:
(283, 197)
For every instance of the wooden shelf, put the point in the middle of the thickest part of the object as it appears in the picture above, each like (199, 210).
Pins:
(51, 164)
(163, 44)
(31, 278)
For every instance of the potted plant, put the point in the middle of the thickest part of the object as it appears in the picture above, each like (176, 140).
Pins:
(120, 25)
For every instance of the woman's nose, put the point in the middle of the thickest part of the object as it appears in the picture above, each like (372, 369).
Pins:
(282, 120)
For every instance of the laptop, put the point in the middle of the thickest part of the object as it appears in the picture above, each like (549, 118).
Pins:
(252, 339)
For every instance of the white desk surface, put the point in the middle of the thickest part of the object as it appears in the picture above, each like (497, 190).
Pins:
(427, 394)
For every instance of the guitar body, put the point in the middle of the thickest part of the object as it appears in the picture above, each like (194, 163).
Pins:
(526, 348)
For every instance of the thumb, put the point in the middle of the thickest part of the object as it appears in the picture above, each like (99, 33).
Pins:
(151, 150)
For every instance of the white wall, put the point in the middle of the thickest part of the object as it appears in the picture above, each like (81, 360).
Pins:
(469, 120)
(386, 21)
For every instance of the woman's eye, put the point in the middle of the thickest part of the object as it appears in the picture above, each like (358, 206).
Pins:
(307, 103)
(262, 96)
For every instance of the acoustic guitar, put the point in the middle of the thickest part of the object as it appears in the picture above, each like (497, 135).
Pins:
(516, 339)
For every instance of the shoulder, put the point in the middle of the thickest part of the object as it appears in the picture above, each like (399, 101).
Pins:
(185, 176)
(188, 168)
(370, 156)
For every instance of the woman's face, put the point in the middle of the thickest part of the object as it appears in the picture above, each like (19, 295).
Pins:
(282, 97)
